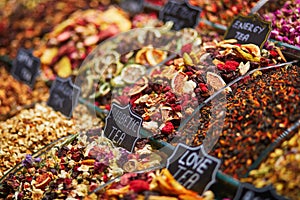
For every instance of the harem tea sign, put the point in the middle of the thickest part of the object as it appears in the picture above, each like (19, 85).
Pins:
(193, 168)
(123, 126)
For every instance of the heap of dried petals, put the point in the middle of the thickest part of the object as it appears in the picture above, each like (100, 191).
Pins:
(159, 185)
(73, 168)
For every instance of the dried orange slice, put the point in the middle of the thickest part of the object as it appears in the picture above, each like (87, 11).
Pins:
(178, 81)
(133, 72)
(150, 56)
(155, 56)
(139, 86)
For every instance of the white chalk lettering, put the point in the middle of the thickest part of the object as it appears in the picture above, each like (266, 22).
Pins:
(241, 36)
(119, 137)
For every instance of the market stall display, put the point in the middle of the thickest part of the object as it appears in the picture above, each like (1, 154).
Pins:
(144, 89)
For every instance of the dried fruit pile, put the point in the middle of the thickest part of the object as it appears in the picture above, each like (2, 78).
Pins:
(281, 169)
(24, 23)
(73, 39)
(157, 185)
(226, 9)
(14, 94)
(73, 168)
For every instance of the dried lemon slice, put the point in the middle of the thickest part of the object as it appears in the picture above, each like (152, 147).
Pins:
(139, 86)
(132, 73)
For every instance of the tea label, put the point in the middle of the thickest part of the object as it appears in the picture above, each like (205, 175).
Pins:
(193, 167)
(123, 126)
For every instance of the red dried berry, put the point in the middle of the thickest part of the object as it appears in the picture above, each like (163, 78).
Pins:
(189, 73)
(231, 65)
(273, 53)
(139, 186)
(105, 178)
(107, 107)
(176, 108)
(168, 128)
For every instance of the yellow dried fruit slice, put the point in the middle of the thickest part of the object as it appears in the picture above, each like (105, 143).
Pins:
(252, 48)
(63, 68)
(139, 86)
(132, 73)
(155, 56)
(140, 57)
(48, 55)
(178, 83)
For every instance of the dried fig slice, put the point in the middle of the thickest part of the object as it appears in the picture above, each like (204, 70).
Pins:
(215, 81)
(178, 81)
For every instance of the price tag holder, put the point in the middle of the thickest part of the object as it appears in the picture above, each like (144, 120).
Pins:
(247, 191)
(63, 96)
(181, 13)
(193, 167)
(25, 67)
(249, 29)
(123, 126)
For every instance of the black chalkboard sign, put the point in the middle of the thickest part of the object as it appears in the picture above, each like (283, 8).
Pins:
(247, 191)
(26, 67)
(193, 167)
(249, 29)
(132, 6)
(123, 126)
(63, 96)
(181, 13)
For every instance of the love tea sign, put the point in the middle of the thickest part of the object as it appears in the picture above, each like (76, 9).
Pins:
(247, 191)
(25, 67)
(193, 167)
(123, 126)
(63, 96)
(181, 13)
(249, 29)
